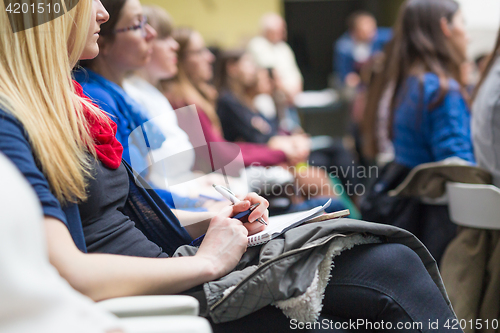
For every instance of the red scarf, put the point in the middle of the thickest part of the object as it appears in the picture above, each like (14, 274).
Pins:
(108, 149)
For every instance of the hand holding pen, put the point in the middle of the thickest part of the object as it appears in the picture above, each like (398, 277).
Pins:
(250, 209)
(254, 213)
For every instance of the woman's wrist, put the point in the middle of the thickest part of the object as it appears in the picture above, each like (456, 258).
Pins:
(209, 271)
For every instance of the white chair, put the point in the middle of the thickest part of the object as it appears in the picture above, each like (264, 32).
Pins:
(474, 206)
(140, 306)
(157, 314)
(32, 294)
(166, 324)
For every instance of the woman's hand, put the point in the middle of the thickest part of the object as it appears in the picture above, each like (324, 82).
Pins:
(226, 238)
(224, 243)
(302, 144)
(253, 226)
(287, 145)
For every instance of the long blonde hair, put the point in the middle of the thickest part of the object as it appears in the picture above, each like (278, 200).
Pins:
(36, 88)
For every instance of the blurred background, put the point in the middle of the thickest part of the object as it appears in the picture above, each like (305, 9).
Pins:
(313, 25)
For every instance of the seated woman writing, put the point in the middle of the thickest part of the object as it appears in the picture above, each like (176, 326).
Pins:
(66, 148)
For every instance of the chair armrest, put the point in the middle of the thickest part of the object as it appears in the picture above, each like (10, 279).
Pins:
(140, 306)
(170, 324)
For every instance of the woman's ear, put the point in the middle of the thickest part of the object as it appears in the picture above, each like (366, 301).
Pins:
(445, 27)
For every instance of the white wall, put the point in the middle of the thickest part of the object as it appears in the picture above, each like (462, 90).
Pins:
(482, 18)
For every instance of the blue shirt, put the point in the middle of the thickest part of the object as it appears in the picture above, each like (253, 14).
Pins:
(423, 134)
(14, 143)
(343, 60)
(134, 131)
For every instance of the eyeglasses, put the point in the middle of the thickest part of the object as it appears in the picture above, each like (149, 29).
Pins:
(141, 26)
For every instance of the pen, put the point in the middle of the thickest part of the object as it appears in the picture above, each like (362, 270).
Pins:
(226, 193)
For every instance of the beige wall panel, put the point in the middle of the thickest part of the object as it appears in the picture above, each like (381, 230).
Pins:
(226, 23)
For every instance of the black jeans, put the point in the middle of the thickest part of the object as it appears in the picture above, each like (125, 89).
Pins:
(381, 287)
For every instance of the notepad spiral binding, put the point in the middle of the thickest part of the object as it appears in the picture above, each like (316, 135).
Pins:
(258, 240)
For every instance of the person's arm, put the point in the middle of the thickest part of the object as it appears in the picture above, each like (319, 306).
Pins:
(293, 149)
(343, 62)
(450, 129)
(238, 121)
(195, 223)
(103, 276)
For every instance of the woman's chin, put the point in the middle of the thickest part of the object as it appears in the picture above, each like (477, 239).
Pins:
(90, 53)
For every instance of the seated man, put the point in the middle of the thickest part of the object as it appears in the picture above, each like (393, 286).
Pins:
(270, 50)
(356, 46)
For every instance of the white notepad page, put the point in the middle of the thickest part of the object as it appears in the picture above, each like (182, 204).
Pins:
(281, 223)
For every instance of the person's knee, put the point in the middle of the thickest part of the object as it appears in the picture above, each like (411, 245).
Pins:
(396, 259)
(379, 265)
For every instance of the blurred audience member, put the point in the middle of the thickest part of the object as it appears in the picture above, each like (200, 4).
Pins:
(429, 118)
(471, 264)
(357, 45)
(377, 147)
(270, 50)
(191, 86)
(486, 119)
(175, 162)
(238, 82)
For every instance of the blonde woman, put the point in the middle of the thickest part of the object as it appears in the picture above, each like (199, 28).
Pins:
(56, 138)
(67, 150)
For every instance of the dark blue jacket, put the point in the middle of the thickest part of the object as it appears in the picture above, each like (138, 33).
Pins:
(144, 207)
(343, 59)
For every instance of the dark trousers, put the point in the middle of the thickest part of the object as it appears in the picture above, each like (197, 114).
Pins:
(338, 162)
(378, 283)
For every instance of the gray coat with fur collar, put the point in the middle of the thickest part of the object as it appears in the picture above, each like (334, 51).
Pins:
(267, 274)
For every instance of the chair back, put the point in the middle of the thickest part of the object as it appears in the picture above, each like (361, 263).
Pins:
(474, 205)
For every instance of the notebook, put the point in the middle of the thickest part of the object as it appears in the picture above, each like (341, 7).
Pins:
(282, 223)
